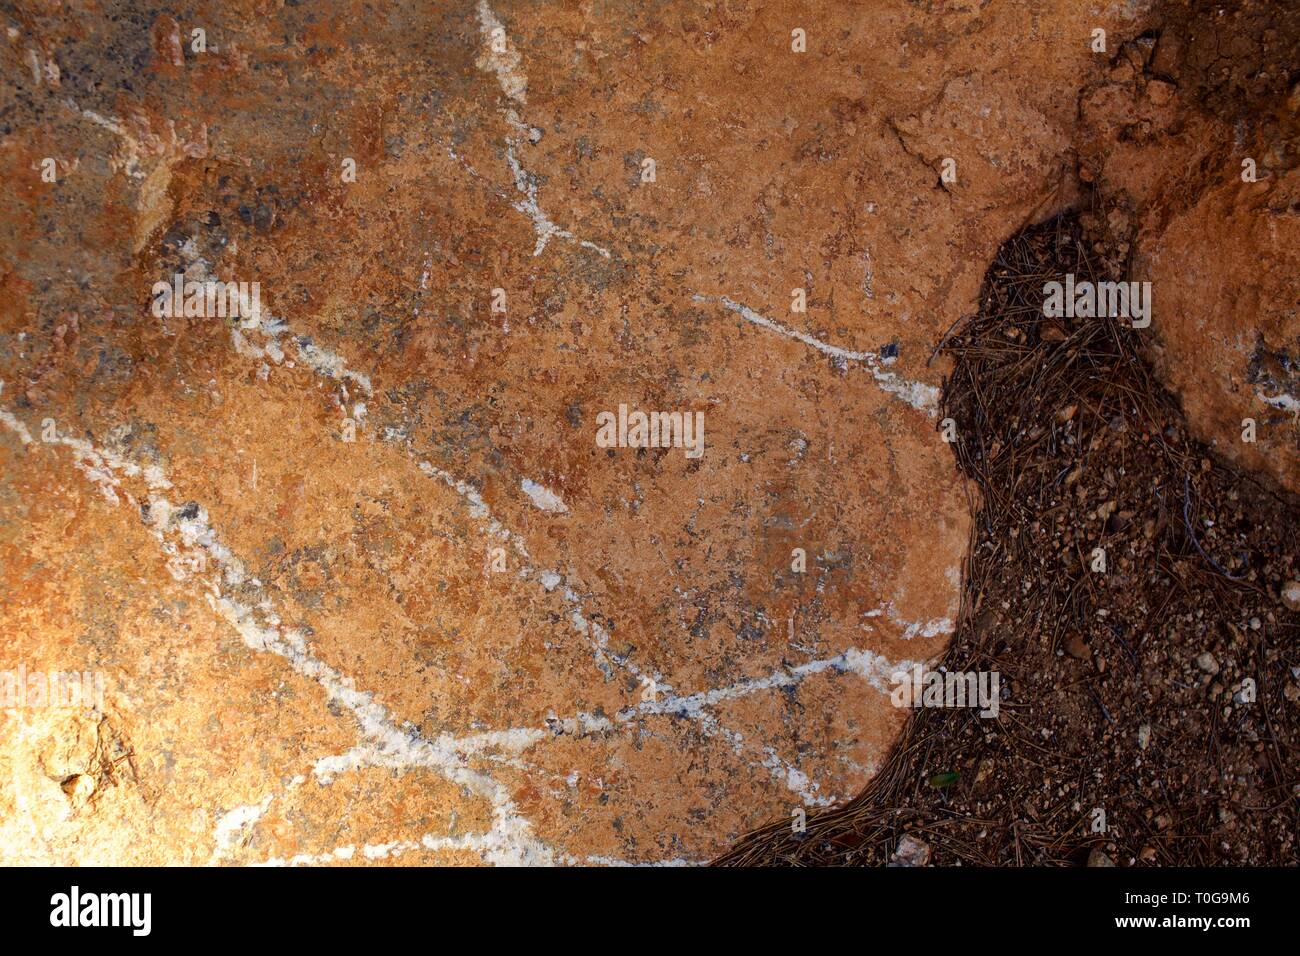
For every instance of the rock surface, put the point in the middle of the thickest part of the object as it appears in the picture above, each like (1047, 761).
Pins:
(1193, 140)
(360, 582)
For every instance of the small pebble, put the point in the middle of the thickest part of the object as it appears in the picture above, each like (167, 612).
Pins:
(1098, 857)
(911, 852)
(1291, 595)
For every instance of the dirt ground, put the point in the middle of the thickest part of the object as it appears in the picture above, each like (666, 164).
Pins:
(1126, 691)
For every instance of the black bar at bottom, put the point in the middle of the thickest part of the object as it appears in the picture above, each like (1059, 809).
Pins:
(877, 905)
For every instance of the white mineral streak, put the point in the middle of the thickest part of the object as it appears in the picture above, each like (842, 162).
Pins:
(499, 56)
(917, 394)
(542, 497)
(195, 552)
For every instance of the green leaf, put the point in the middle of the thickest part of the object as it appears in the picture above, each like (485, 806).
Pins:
(946, 779)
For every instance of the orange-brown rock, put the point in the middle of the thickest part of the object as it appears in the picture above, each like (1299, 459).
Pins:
(360, 581)
(1194, 151)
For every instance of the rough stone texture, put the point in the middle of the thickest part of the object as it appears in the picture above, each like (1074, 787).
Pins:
(306, 656)
(1164, 137)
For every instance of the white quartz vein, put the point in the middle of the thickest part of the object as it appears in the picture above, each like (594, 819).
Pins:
(596, 635)
(917, 394)
(502, 58)
(195, 551)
